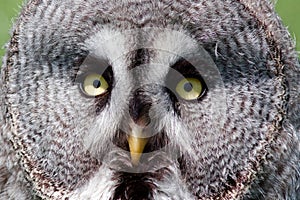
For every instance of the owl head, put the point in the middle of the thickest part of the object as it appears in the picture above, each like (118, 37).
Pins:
(149, 100)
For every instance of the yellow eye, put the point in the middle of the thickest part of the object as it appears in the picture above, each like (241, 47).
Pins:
(94, 85)
(189, 88)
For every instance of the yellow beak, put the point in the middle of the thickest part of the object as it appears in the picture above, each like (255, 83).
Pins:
(136, 147)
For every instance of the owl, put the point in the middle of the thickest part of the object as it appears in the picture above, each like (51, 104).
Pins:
(150, 99)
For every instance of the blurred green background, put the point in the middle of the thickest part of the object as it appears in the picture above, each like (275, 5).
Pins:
(288, 10)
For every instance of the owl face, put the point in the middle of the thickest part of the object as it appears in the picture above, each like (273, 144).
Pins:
(160, 81)
(141, 101)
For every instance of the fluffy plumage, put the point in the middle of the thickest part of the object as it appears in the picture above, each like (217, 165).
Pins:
(239, 140)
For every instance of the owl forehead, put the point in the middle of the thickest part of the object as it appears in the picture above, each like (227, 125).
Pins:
(153, 48)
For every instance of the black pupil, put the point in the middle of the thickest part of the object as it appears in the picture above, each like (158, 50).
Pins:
(96, 83)
(188, 87)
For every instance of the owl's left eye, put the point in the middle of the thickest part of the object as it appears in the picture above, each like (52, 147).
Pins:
(189, 88)
(94, 85)
(185, 82)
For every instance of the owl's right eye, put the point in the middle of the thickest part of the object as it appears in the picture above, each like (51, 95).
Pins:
(94, 85)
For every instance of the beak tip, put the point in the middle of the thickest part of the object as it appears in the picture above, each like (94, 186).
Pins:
(136, 146)
(135, 158)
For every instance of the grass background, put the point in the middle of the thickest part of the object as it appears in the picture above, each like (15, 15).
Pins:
(287, 9)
